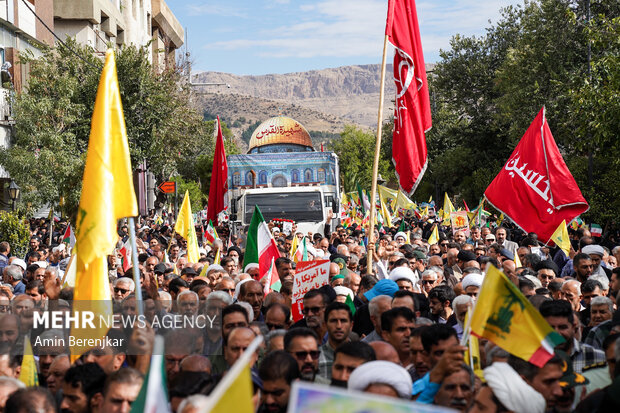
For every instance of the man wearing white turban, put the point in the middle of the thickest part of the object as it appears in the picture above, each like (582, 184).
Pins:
(512, 390)
(381, 377)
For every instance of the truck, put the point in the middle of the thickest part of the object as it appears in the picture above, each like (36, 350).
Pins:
(285, 177)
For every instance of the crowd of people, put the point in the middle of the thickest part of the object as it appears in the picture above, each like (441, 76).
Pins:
(395, 329)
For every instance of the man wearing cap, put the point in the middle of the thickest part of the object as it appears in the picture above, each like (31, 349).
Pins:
(489, 239)
(462, 257)
(596, 253)
(188, 274)
(362, 323)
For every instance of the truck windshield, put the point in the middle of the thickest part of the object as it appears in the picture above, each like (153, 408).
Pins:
(296, 206)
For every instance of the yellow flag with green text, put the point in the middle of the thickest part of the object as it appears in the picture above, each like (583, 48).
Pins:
(387, 218)
(28, 373)
(561, 239)
(434, 238)
(185, 228)
(107, 196)
(448, 208)
(503, 315)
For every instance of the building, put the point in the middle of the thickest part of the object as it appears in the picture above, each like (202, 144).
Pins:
(20, 30)
(98, 23)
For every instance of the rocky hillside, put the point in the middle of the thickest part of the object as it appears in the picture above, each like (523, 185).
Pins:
(322, 100)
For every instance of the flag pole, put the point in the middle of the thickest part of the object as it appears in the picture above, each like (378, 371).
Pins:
(134, 259)
(375, 166)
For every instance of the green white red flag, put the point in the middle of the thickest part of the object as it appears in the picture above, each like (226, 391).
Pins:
(261, 248)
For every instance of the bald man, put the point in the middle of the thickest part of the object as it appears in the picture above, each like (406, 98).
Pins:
(196, 363)
(385, 351)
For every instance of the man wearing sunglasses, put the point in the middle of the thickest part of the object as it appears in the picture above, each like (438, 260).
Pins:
(122, 288)
(303, 344)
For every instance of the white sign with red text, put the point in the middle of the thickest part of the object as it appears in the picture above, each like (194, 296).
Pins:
(308, 275)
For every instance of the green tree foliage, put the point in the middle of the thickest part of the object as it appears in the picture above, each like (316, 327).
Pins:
(196, 197)
(485, 91)
(16, 231)
(53, 115)
(356, 152)
(246, 135)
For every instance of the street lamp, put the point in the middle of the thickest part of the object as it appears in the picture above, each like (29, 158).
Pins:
(13, 193)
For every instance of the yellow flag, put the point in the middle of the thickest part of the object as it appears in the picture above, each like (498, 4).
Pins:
(503, 315)
(28, 373)
(185, 227)
(472, 354)
(107, 196)
(518, 261)
(293, 245)
(560, 237)
(448, 208)
(387, 218)
(234, 392)
(402, 201)
(389, 195)
(217, 259)
(434, 238)
(238, 398)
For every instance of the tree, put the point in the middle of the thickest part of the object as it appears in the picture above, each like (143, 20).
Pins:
(356, 153)
(485, 91)
(53, 114)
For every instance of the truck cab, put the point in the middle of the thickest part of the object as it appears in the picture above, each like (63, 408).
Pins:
(306, 206)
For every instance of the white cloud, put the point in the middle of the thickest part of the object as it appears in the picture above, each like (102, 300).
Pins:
(216, 10)
(352, 28)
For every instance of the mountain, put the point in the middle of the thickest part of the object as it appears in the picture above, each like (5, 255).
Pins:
(322, 100)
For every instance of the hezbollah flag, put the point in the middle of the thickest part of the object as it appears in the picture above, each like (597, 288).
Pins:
(504, 316)
(434, 238)
(185, 227)
(561, 239)
(28, 373)
(234, 392)
(107, 196)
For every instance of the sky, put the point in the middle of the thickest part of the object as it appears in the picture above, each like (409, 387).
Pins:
(255, 37)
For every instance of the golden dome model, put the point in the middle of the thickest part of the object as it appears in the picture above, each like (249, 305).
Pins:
(280, 130)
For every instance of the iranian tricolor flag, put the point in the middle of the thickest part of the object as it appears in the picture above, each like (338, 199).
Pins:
(271, 275)
(261, 248)
(69, 237)
(152, 397)
(125, 251)
(210, 234)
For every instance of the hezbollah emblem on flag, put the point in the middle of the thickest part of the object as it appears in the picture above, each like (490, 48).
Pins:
(502, 319)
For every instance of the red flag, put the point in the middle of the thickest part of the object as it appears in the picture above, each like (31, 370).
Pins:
(219, 178)
(466, 207)
(412, 115)
(535, 188)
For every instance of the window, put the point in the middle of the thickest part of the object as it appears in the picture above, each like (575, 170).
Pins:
(321, 175)
(248, 178)
(279, 181)
(297, 206)
(308, 175)
(295, 176)
(236, 179)
(262, 178)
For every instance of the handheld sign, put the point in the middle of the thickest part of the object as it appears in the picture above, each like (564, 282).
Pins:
(308, 275)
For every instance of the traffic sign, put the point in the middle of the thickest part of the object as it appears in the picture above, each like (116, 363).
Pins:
(168, 187)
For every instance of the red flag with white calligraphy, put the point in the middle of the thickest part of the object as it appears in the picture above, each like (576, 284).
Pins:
(219, 178)
(535, 188)
(412, 114)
